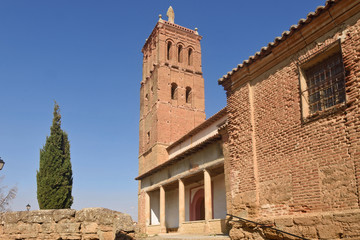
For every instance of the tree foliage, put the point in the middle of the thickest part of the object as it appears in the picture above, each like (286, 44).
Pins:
(54, 178)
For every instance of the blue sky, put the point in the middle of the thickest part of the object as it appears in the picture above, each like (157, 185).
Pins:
(86, 55)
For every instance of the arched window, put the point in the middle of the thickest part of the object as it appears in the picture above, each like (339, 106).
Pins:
(168, 51)
(180, 54)
(188, 95)
(190, 57)
(173, 90)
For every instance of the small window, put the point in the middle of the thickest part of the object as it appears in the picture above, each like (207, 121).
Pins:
(148, 137)
(168, 51)
(188, 95)
(190, 56)
(147, 97)
(323, 83)
(180, 54)
(173, 90)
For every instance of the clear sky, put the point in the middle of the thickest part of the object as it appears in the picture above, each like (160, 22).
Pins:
(86, 55)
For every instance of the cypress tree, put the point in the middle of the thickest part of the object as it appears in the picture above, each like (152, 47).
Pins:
(54, 178)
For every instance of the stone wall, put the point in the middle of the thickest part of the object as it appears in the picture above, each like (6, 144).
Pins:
(330, 225)
(85, 224)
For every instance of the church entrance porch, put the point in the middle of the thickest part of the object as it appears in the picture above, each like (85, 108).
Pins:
(193, 204)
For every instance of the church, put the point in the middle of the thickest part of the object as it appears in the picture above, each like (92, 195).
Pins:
(281, 159)
(181, 163)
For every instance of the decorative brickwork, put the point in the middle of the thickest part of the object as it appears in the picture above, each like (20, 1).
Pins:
(168, 109)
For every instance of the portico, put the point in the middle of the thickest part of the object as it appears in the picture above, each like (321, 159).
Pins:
(186, 194)
(177, 205)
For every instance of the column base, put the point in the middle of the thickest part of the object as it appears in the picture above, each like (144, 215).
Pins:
(163, 230)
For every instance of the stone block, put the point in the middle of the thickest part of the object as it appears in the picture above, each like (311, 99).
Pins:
(327, 219)
(12, 217)
(61, 214)
(106, 235)
(67, 228)
(307, 220)
(25, 228)
(99, 215)
(329, 231)
(276, 191)
(284, 222)
(105, 228)
(70, 236)
(40, 216)
(308, 231)
(347, 218)
(11, 228)
(90, 237)
(89, 227)
(47, 228)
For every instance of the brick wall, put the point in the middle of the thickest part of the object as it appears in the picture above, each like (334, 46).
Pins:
(279, 164)
(164, 120)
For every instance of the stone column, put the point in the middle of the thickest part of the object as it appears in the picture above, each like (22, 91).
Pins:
(207, 193)
(162, 210)
(147, 209)
(181, 202)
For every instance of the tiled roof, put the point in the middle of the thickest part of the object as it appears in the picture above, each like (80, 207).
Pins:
(191, 150)
(294, 28)
(181, 156)
(200, 127)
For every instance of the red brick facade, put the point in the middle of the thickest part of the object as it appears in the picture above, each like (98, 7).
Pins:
(171, 57)
(284, 164)
(280, 161)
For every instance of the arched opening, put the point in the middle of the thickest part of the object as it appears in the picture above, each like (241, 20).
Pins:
(197, 207)
(168, 51)
(173, 91)
(180, 54)
(200, 209)
(188, 95)
(190, 56)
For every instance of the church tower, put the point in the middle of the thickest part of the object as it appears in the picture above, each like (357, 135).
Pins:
(172, 90)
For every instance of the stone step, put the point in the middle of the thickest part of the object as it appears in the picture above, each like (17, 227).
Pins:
(178, 236)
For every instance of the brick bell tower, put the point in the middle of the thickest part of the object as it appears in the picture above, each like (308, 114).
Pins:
(172, 90)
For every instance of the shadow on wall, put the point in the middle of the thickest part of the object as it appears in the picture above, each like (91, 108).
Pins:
(123, 236)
